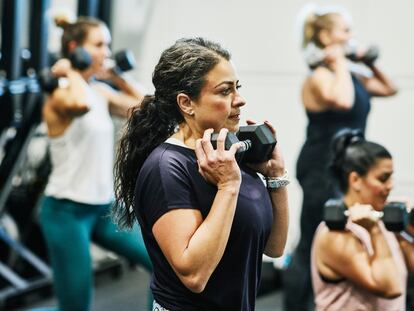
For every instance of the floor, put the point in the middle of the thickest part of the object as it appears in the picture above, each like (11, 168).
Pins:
(128, 292)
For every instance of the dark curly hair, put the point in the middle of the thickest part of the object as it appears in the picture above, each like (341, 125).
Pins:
(182, 68)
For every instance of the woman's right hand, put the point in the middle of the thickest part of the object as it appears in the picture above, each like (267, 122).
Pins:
(218, 166)
(363, 215)
(61, 68)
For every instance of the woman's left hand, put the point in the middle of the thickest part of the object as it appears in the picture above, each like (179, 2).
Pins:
(275, 166)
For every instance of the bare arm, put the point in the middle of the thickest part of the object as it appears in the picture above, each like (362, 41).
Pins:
(333, 88)
(71, 101)
(380, 84)
(194, 246)
(280, 225)
(408, 248)
(330, 86)
(128, 96)
(65, 104)
(344, 254)
(273, 168)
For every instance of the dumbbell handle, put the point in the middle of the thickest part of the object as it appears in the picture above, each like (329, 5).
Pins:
(245, 145)
(375, 214)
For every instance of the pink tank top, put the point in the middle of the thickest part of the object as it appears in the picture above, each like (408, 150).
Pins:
(345, 295)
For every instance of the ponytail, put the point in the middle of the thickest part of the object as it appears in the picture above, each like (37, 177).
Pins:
(309, 29)
(352, 153)
(76, 31)
(314, 24)
(148, 126)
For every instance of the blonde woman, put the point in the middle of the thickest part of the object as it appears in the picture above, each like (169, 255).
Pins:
(333, 97)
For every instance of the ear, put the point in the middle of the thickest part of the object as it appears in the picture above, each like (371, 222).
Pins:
(72, 45)
(355, 181)
(324, 37)
(185, 104)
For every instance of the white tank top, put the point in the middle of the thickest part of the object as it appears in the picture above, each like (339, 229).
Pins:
(82, 157)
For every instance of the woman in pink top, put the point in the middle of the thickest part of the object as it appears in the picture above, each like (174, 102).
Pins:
(365, 266)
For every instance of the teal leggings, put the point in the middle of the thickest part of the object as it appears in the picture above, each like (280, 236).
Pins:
(68, 228)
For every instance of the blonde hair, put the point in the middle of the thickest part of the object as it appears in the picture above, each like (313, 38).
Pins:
(76, 31)
(314, 24)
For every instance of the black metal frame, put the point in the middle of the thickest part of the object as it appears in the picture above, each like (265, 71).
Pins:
(21, 101)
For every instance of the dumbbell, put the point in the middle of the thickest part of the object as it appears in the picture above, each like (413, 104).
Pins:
(315, 56)
(124, 61)
(257, 141)
(394, 215)
(368, 57)
(80, 59)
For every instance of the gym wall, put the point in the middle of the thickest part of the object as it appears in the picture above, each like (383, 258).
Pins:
(264, 43)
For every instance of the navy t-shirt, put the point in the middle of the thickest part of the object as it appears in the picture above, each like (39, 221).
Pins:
(169, 179)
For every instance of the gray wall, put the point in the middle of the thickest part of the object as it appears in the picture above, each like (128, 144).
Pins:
(261, 36)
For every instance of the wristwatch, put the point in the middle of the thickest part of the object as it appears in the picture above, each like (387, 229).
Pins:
(277, 182)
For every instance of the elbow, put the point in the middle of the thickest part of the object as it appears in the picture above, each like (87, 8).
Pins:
(338, 103)
(194, 279)
(194, 283)
(342, 104)
(77, 109)
(275, 252)
(392, 293)
(392, 91)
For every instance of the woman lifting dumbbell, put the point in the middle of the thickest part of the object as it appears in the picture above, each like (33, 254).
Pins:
(364, 266)
(206, 219)
(334, 96)
(79, 192)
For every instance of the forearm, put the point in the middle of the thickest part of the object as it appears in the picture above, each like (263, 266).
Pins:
(385, 80)
(71, 100)
(407, 246)
(280, 224)
(206, 246)
(122, 104)
(384, 268)
(342, 88)
(127, 86)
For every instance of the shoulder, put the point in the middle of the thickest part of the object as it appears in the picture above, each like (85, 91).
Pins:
(167, 158)
(321, 73)
(103, 88)
(337, 244)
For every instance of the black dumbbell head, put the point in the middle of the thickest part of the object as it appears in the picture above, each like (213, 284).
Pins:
(262, 140)
(231, 139)
(47, 81)
(80, 58)
(334, 214)
(124, 60)
(370, 55)
(395, 216)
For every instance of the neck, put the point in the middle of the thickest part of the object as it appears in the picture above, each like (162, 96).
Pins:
(187, 135)
(87, 75)
(351, 198)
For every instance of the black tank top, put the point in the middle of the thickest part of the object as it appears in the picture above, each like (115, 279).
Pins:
(322, 126)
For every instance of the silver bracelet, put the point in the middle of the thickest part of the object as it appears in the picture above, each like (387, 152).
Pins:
(406, 236)
(277, 182)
